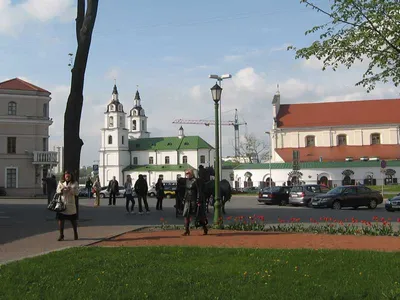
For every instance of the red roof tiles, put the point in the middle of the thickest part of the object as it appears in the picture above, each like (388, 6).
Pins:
(339, 153)
(365, 112)
(20, 85)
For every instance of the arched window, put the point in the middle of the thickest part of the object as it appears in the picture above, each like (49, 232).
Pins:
(119, 107)
(109, 139)
(341, 140)
(121, 122)
(375, 139)
(12, 108)
(310, 141)
(112, 107)
(184, 159)
(111, 121)
(134, 125)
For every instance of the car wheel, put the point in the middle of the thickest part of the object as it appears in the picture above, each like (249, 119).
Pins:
(336, 205)
(283, 202)
(372, 204)
(355, 207)
(102, 195)
(168, 196)
(309, 203)
(152, 194)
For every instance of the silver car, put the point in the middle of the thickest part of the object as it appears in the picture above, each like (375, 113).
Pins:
(302, 194)
(105, 194)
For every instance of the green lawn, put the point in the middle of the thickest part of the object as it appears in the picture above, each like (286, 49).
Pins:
(202, 273)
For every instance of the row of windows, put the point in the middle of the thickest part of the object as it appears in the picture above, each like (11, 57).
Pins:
(121, 123)
(12, 145)
(342, 140)
(12, 109)
(110, 140)
(167, 160)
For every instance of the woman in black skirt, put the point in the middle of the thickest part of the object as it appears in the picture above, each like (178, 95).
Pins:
(69, 189)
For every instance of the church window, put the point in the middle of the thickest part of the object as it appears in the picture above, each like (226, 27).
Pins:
(342, 140)
(111, 121)
(151, 160)
(112, 107)
(310, 141)
(121, 122)
(184, 159)
(109, 139)
(167, 160)
(134, 112)
(123, 140)
(375, 139)
(202, 159)
(119, 107)
(134, 125)
(143, 126)
(135, 160)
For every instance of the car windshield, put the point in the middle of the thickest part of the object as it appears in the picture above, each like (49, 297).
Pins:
(336, 190)
(297, 189)
(274, 189)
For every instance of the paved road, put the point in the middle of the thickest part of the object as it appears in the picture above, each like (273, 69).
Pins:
(25, 218)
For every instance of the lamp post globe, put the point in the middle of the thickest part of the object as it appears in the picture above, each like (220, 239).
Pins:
(216, 92)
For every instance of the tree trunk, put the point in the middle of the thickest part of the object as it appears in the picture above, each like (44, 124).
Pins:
(72, 117)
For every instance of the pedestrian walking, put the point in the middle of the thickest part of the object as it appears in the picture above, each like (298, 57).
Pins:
(96, 191)
(129, 195)
(69, 189)
(89, 185)
(113, 190)
(194, 203)
(141, 189)
(159, 193)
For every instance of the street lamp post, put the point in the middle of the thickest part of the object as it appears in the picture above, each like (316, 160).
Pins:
(220, 79)
(270, 157)
(216, 92)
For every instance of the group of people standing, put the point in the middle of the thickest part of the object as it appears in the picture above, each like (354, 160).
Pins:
(192, 195)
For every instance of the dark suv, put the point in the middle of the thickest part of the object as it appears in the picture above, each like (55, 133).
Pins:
(302, 194)
(348, 196)
(275, 195)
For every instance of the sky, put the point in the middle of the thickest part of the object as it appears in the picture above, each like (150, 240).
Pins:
(167, 49)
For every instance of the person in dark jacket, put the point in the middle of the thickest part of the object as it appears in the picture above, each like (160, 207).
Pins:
(113, 189)
(194, 203)
(159, 193)
(51, 186)
(89, 185)
(141, 189)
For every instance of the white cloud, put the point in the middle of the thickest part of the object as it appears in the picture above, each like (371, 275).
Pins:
(15, 17)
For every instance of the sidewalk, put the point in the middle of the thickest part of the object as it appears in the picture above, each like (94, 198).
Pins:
(47, 242)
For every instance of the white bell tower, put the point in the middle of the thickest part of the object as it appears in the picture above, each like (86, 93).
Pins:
(114, 151)
(137, 120)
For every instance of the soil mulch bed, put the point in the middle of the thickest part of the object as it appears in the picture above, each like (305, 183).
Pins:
(252, 239)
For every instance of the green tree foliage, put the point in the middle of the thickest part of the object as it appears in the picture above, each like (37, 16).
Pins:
(359, 30)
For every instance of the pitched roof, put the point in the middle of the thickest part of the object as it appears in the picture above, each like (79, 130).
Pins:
(339, 153)
(158, 168)
(365, 112)
(17, 84)
(168, 143)
(320, 165)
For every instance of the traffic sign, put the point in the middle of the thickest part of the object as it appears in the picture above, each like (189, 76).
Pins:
(383, 164)
(95, 168)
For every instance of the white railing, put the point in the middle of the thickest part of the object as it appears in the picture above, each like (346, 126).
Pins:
(45, 157)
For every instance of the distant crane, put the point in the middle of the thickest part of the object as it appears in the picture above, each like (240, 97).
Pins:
(234, 123)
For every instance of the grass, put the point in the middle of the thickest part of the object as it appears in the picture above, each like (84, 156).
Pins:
(202, 273)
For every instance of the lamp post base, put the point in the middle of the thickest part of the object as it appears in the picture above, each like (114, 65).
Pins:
(218, 219)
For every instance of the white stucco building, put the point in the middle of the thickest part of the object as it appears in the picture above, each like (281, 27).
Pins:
(335, 143)
(127, 148)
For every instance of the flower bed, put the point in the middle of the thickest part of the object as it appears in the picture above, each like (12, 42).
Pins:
(325, 225)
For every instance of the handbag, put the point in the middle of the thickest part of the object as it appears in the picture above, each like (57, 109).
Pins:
(57, 204)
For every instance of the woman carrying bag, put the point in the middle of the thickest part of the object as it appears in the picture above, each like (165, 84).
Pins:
(69, 189)
(96, 191)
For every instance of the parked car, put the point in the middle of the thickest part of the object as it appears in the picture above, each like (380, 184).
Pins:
(393, 204)
(348, 196)
(152, 192)
(275, 195)
(83, 192)
(105, 194)
(302, 194)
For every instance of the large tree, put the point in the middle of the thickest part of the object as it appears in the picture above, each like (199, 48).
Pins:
(85, 20)
(359, 30)
(253, 149)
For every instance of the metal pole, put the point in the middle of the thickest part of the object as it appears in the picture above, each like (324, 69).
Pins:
(218, 223)
(220, 135)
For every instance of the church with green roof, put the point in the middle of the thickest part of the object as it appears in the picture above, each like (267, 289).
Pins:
(128, 149)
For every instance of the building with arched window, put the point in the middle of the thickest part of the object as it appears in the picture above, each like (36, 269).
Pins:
(131, 150)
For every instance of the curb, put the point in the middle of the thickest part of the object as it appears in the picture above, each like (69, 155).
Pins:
(116, 235)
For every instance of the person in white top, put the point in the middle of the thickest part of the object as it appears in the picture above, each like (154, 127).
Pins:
(69, 189)
(129, 194)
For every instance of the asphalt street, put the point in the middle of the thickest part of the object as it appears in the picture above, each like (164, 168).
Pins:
(28, 217)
